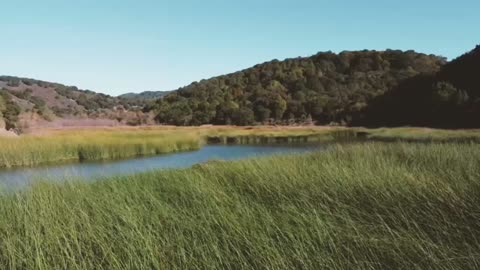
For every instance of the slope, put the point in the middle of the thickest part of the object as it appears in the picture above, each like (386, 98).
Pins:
(325, 88)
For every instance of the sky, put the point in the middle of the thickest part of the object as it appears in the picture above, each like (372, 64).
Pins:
(119, 46)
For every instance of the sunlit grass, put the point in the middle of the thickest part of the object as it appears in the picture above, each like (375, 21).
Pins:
(425, 134)
(365, 206)
(70, 146)
(118, 143)
(110, 143)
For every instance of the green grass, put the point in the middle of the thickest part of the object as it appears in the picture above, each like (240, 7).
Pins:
(110, 144)
(75, 146)
(365, 206)
(261, 134)
(423, 134)
(120, 143)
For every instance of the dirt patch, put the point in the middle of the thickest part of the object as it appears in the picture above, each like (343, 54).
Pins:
(7, 133)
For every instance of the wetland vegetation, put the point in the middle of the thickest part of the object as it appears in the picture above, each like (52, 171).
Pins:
(102, 144)
(356, 206)
(361, 205)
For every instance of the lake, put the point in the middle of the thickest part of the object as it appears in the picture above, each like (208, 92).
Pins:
(12, 179)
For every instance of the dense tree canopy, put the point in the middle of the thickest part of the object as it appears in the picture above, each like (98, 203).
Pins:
(326, 87)
(448, 99)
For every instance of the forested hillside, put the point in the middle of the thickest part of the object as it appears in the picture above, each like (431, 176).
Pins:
(324, 88)
(448, 99)
(362, 88)
(143, 98)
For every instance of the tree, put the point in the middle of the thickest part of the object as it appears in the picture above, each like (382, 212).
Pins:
(279, 106)
(446, 93)
(327, 86)
(9, 109)
(243, 117)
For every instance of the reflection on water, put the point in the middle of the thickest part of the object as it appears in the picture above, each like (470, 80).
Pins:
(20, 177)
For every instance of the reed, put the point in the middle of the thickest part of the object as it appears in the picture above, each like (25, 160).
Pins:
(74, 146)
(357, 206)
(118, 143)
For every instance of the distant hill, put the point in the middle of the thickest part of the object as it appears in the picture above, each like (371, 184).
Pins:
(449, 98)
(143, 97)
(325, 88)
(368, 88)
(23, 101)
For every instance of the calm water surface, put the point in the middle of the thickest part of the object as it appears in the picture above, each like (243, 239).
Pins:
(21, 177)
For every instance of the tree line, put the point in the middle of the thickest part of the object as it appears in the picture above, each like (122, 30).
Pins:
(326, 88)
(449, 98)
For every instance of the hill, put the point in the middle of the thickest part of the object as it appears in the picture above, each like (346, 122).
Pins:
(140, 99)
(325, 88)
(25, 102)
(369, 88)
(449, 98)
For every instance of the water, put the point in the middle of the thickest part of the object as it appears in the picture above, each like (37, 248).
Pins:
(21, 177)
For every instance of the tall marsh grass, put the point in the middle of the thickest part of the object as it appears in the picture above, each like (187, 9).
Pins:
(71, 146)
(423, 134)
(368, 206)
(106, 144)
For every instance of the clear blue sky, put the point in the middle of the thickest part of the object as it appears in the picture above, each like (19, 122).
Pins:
(117, 46)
